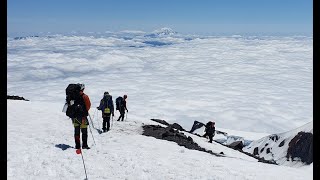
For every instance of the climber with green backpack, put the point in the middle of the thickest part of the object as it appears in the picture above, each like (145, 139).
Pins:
(106, 106)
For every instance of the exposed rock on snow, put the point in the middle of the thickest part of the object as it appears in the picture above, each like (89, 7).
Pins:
(293, 148)
(171, 134)
(301, 146)
(17, 98)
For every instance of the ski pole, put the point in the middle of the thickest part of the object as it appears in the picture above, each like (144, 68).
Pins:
(98, 120)
(92, 135)
(127, 115)
(91, 120)
(84, 166)
(91, 132)
(94, 113)
(112, 122)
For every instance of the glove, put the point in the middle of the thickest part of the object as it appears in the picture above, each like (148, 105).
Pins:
(98, 108)
(112, 114)
(127, 110)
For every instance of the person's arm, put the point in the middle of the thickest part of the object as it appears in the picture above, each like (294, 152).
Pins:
(87, 101)
(100, 105)
(125, 105)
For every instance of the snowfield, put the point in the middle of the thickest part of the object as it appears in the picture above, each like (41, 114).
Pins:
(40, 146)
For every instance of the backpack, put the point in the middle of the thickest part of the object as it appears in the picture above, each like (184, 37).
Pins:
(75, 102)
(107, 100)
(119, 103)
(210, 127)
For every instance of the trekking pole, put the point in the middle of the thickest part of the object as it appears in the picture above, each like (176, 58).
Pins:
(91, 132)
(127, 115)
(94, 113)
(112, 122)
(98, 120)
(91, 120)
(92, 135)
(85, 171)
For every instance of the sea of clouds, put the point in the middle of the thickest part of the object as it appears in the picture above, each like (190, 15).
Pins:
(248, 83)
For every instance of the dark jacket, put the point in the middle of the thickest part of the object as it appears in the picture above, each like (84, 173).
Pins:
(210, 129)
(106, 101)
(123, 107)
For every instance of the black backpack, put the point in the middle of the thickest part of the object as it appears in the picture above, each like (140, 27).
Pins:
(119, 103)
(76, 107)
(107, 100)
(210, 127)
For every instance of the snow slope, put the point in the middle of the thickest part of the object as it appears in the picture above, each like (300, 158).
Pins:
(40, 141)
(277, 152)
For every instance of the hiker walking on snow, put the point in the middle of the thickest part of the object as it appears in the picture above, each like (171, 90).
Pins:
(106, 107)
(82, 122)
(210, 130)
(121, 106)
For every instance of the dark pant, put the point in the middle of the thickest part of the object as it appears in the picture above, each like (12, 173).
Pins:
(77, 136)
(121, 115)
(106, 120)
(210, 136)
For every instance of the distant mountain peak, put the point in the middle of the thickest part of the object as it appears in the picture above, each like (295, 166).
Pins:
(165, 31)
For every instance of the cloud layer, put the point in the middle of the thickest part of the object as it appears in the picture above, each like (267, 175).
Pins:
(261, 84)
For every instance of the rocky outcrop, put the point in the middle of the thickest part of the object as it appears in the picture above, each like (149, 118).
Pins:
(237, 145)
(291, 148)
(16, 98)
(301, 146)
(170, 134)
(160, 121)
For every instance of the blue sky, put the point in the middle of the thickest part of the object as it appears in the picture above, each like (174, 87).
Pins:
(184, 16)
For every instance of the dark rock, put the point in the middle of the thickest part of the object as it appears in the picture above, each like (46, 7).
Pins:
(178, 127)
(268, 150)
(196, 125)
(221, 132)
(282, 143)
(170, 134)
(256, 151)
(267, 161)
(266, 144)
(254, 156)
(261, 150)
(274, 137)
(221, 152)
(16, 98)
(237, 145)
(301, 146)
(160, 121)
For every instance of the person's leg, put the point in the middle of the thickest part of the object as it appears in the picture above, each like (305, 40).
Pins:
(119, 116)
(210, 137)
(108, 123)
(205, 134)
(122, 116)
(84, 137)
(77, 136)
(104, 124)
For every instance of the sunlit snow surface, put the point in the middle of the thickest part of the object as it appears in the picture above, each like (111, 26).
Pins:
(40, 146)
(260, 84)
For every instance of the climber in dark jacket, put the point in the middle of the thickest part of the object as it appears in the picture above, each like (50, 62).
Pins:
(107, 109)
(210, 130)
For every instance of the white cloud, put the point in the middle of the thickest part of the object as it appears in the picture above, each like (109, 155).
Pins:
(251, 84)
